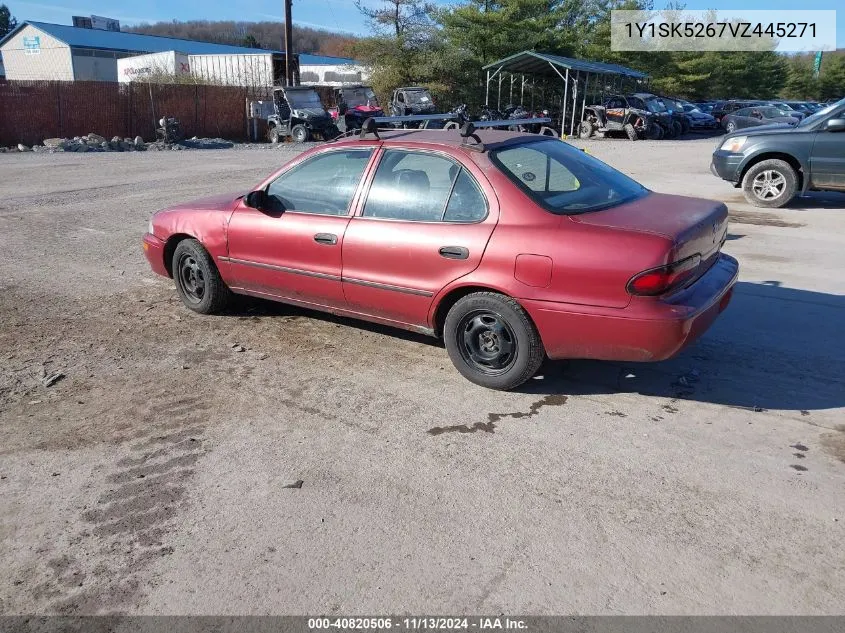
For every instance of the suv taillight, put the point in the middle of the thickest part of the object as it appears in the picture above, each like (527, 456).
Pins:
(658, 281)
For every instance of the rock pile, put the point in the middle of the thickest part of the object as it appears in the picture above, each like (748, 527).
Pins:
(91, 143)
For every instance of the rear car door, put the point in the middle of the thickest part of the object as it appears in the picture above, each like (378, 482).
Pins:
(425, 222)
(827, 159)
(292, 249)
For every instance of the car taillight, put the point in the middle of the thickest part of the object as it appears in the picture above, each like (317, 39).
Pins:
(657, 281)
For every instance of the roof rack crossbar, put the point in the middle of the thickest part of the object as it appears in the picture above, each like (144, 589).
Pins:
(414, 117)
(508, 122)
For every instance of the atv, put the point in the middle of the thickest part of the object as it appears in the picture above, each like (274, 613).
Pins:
(619, 114)
(412, 100)
(299, 114)
(355, 104)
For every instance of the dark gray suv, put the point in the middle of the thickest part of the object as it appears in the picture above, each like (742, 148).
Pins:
(773, 162)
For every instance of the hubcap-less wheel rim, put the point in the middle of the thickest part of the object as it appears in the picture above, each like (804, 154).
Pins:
(731, 127)
(487, 342)
(191, 279)
(768, 185)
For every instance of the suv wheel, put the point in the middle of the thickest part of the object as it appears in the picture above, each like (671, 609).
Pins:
(677, 130)
(770, 183)
(492, 341)
(654, 132)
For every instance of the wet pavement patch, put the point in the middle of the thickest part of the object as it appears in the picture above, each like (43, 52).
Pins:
(463, 428)
(550, 400)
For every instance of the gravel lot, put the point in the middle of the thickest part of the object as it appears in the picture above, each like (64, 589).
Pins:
(157, 475)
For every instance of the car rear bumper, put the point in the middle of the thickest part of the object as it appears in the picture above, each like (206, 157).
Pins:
(154, 252)
(726, 165)
(647, 330)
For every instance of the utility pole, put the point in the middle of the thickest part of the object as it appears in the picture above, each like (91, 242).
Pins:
(288, 44)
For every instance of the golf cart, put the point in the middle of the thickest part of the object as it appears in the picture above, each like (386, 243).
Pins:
(355, 104)
(299, 114)
(412, 100)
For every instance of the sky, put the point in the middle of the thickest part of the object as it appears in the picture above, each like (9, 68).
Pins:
(334, 15)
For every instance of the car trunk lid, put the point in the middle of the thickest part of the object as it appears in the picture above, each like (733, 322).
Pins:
(693, 226)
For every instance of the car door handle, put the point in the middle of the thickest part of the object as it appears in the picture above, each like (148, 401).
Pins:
(454, 252)
(326, 238)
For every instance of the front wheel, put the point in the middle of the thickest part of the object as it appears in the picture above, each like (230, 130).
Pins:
(730, 127)
(273, 134)
(586, 129)
(492, 341)
(770, 183)
(631, 131)
(299, 133)
(198, 282)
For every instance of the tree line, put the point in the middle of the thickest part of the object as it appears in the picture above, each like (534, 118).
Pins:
(445, 48)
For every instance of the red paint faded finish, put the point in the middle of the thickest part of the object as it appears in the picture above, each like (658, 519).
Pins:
(569, 272)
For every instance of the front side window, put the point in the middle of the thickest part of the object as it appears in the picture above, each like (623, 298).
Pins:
(565, 180)
(323, 184)
(423, 187)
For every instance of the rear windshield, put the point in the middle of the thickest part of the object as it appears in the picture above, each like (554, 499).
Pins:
(564, 180)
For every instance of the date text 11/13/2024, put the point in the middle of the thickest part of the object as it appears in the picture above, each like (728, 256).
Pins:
(418, 623)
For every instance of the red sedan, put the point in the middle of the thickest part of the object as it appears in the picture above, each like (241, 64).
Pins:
(519, 249)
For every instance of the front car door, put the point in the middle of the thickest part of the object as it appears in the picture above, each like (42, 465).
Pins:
(292, 248)
(827, 159)
(425, 222)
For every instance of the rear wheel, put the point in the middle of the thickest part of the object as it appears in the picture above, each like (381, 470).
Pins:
(770, 183)
(586, 129)
(299, 133)
(492, 341)
(198, 282)
(654, 132)
(631, 131)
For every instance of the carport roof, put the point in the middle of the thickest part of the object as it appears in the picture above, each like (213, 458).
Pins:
(534, 63)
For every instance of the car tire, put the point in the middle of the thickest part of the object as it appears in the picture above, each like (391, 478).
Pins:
(730, 128)
(631, 131)
(654, 132)
(198, 282)
(770, 183)
(677, 130)
(299, 133)
(492, 341)
(586, 129)
(273, 134)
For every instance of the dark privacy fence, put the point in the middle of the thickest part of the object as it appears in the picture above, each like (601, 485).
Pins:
(31, 111)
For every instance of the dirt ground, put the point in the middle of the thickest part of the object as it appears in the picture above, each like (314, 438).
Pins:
(158, 473)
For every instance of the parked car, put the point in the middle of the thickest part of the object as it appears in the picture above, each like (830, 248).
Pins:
(522, 249)
(787, 109)
(772, 164)
(619, 114)
(756, 115)
(676, 108)
(721, 108)
(700, 120)
(299, 114)
(354, 105)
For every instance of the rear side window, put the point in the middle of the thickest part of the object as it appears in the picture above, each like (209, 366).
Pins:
(565, 180)
(423, 187)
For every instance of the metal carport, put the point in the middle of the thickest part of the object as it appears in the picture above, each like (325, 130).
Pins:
(577, 73)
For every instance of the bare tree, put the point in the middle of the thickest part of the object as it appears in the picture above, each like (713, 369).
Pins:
(404, 18)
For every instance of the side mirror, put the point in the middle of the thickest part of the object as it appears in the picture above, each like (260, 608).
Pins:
(256, 199)
(835, 125)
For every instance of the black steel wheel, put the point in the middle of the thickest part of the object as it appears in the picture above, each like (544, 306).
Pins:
(198, 283)
(492, 341)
